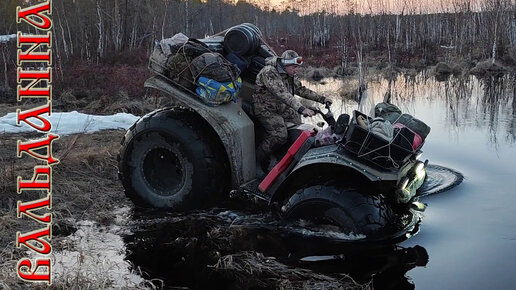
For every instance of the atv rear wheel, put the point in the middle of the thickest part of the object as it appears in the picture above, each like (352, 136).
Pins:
(167, 161)
(351, 211)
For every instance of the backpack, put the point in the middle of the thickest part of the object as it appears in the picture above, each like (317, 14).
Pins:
(214, 66)
(179, 63)
(162, 51)
(387, 111)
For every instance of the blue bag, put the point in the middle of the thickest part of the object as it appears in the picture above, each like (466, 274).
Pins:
(214, 93)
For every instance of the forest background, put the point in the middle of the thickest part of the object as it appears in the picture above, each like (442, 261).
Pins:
(101, 47)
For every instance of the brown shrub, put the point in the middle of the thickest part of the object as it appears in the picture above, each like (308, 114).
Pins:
(488, 68)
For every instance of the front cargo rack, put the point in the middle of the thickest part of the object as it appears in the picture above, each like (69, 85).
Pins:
(365, 144)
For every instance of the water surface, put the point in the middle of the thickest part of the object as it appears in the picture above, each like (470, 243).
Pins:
(468, 232)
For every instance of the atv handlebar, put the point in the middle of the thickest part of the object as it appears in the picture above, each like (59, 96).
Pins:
(328, 117)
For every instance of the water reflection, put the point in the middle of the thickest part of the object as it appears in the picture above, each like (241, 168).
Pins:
(499, 100)
(183, 251)
(386, 267)
(468, 101)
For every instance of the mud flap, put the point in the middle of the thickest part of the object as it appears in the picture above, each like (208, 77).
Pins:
(296, 151)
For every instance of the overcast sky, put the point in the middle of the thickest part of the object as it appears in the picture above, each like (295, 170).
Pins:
(374, 6)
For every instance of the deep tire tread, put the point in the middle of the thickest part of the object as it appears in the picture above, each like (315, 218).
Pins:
(368, 214)
(209, 153)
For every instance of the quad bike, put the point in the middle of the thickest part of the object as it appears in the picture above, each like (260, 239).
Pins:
(190, 155)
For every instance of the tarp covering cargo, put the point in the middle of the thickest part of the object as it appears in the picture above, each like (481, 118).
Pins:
(214, 66)
(172, 58)
(393, 114)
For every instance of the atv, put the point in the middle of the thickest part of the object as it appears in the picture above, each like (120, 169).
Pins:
(190, 155)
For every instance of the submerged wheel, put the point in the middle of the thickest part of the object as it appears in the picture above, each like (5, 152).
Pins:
(343, 207)
(168, 161)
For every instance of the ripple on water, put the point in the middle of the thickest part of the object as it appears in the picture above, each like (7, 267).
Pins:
(439, 179)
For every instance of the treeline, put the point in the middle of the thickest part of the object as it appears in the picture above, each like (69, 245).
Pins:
(118, 31)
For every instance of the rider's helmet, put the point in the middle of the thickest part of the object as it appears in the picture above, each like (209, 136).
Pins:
(290, 57)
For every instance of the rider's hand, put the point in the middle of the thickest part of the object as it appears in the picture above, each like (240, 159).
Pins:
(308, 113)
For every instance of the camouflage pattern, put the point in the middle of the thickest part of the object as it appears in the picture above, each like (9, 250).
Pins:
(275, 128)
(274, 103)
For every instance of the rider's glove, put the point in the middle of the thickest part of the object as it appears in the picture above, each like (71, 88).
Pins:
(305, 112)
(308, 113)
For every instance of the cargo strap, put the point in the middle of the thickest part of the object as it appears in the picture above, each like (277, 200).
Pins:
(388, 145)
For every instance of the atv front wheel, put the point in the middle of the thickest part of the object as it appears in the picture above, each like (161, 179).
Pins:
(168, 161)
(351, 211)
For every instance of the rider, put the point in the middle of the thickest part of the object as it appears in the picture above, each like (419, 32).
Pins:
(274, 102)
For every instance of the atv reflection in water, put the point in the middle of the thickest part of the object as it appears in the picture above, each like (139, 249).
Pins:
(189, 251)
(386, 266)
(244, 248)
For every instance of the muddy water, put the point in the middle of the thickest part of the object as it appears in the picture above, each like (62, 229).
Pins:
(469, 232)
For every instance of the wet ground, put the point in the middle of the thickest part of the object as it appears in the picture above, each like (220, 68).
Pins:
(467, 238)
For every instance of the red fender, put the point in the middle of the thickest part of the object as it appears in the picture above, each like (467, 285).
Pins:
(285, 161)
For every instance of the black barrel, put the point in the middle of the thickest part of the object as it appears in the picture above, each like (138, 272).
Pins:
(242, 39)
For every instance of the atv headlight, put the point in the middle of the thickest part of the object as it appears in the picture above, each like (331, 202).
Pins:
(403, 183)
(419, 169)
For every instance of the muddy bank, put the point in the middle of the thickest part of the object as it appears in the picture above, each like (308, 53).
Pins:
(85, 188)
(372, 69)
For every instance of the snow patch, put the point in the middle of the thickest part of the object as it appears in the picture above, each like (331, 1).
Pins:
(6, 38)
(67, 123)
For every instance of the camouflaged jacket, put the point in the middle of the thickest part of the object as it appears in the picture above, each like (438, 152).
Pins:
(275, 91)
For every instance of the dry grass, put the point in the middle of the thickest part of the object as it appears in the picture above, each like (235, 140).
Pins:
(84, 182)
(254, 270)
(85, 186)
(6, 108)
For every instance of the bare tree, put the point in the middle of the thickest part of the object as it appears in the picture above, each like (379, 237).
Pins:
(100, 27)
